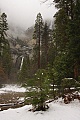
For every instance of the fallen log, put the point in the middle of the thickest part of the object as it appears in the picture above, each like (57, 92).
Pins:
(11, 105)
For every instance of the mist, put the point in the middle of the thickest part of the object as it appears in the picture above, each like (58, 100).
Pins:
(23, 12)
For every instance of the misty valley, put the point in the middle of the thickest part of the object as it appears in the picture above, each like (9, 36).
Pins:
(40, 64)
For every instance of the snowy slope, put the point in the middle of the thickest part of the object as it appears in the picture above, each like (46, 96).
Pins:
(57, 111)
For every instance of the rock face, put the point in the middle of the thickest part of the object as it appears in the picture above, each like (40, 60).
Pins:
(29, 33)
(20, 41)
(21, 44)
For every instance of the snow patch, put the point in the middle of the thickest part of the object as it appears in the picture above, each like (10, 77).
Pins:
(12, 88)
(57, 111)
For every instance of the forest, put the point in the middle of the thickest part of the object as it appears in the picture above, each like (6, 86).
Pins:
(52, 66)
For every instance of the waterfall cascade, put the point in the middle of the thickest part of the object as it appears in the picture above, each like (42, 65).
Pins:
(21, 62)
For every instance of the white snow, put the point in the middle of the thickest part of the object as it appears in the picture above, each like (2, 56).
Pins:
(57, 111)
(12, 88)
(2, 91)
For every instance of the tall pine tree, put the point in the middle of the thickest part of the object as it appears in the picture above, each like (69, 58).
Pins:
(5, 55)
(67, 36)
(38, 31)
(45, 43)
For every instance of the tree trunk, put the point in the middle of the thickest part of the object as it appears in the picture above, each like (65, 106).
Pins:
(76, 72)
(39, 51)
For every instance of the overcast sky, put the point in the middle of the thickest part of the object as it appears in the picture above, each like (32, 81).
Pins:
(24, 12)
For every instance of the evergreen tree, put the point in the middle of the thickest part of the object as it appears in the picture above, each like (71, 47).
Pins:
(5, 55)
(38, 90)
(38, 31)
(3, 29)
(45, 46)
(7, 60)
(68, 83)
(61, 30)
(74, 38)
(66, 37)
(0, 34)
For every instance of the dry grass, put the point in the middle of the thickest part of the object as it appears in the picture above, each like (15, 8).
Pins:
(11, 97)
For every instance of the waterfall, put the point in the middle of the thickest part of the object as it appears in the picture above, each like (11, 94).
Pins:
(21, 62)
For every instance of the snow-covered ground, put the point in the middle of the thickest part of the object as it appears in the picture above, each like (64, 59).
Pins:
(57, 111)
(12, 88)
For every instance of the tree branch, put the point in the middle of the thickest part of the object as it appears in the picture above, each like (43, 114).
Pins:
(44, 1)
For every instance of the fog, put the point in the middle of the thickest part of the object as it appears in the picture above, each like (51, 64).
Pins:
(23, 12)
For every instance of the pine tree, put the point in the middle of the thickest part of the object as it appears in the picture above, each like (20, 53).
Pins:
(45, 46)
(38, 31)
(38, 90)
(5, 55)
(0, 35)
(74, 44)
(3, 29)
(7, 60)
(61, 30)
(66, 36)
